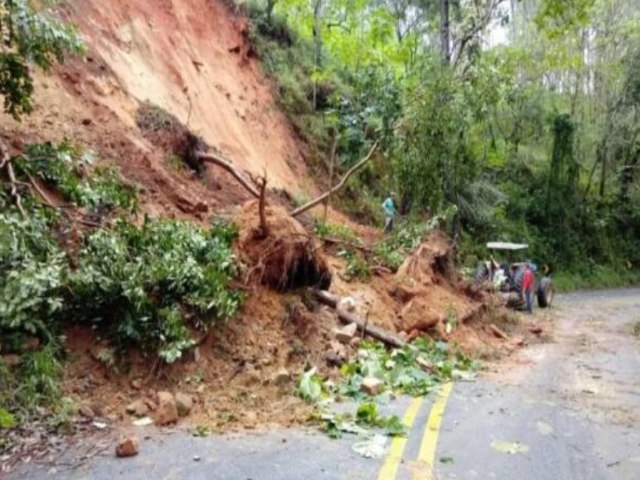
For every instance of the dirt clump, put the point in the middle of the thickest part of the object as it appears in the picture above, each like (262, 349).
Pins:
(165, 131)
(127, 447)
(287, 258)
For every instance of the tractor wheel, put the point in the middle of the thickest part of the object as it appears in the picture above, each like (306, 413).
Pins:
(545, 293)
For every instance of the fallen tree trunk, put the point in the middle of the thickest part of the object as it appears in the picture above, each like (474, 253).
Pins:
(337, 187)
(221, 162)
(346, 317)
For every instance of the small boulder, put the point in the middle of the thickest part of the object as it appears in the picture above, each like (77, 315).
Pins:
(139, 408)
(136, 383)
(127, 447)
(347, 304)
(346, 333)
(339, 349)
(86, 411)
(372, 386)
(184, 403)
(167, 412)
(281, 377)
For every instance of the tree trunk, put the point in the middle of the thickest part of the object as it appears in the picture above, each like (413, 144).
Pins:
(317, 40)
(444, 32)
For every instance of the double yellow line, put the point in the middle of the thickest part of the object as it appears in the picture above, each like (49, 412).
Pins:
(427, 454)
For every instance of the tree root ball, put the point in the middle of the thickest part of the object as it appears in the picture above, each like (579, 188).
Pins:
(285, 259)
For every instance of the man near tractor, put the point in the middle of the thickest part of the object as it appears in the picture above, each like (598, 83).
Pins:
(389, 212)
(528, 284)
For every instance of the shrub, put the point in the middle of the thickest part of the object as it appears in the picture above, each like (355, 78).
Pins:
(139, 284)
(67, 168)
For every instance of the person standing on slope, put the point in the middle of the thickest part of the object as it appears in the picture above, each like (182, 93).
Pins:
(528, 283)
(389, 212)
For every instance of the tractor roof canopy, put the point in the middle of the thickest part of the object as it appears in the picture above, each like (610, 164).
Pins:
(506, 246)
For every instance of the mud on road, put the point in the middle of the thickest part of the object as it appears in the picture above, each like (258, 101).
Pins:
(566, 409)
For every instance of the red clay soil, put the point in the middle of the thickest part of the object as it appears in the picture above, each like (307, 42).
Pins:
(179, 56)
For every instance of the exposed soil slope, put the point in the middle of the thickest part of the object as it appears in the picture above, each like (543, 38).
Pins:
(188, 57)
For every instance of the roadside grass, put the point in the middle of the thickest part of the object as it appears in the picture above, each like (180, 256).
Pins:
(635, 329)
(599, 276)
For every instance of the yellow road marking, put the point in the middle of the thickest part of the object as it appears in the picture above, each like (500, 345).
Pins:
(427, 453)
(390, 467)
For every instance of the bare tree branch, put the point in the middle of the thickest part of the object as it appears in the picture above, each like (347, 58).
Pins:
(338, 186)
(228, 166)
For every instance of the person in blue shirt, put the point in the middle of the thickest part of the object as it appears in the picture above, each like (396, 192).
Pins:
(389, 212)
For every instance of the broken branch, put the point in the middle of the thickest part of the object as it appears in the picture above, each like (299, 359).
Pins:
(371, 330)
(338, 186)
(221, 162)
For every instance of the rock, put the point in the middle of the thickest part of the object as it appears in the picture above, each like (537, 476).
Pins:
(281, 377)
(339, 349)
(372, 386)
(127, 447)
(86, 411)
(347, 304)
(184, 403)
(405, 293)
(136, 383)
(167, 412)
(11, 360)
(139, 408)
(536, 329)
(153, 406)
(196, 354)
(355, 342)
(346, 333)
(418, 314)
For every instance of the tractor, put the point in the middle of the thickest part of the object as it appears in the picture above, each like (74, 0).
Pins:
(506, 277)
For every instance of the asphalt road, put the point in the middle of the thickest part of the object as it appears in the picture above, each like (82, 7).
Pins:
(569, 409)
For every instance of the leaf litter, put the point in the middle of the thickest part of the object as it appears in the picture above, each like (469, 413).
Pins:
(414, 370)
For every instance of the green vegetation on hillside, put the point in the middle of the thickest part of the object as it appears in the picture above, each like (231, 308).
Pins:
(143, 287)
(533, 139)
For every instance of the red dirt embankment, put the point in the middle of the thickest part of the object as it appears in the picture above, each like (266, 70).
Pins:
(180, 56)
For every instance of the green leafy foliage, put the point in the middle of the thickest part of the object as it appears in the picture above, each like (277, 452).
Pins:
(68, 169)
(33, 384)
(29, 36)
(368, 415)
(32, 272)
(6, 419)
(310, 387)
(413, 370)
(142, 286)
(486, 134)
(357, 266)
(140, 283)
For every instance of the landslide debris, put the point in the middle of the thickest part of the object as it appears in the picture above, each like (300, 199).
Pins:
(285, 259)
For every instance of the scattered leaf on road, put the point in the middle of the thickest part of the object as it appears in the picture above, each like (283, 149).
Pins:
(509, 447)
(374, 447)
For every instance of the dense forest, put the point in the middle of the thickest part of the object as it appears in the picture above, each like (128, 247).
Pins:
(519, 116)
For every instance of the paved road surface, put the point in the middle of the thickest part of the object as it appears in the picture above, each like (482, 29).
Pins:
(569, 409)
